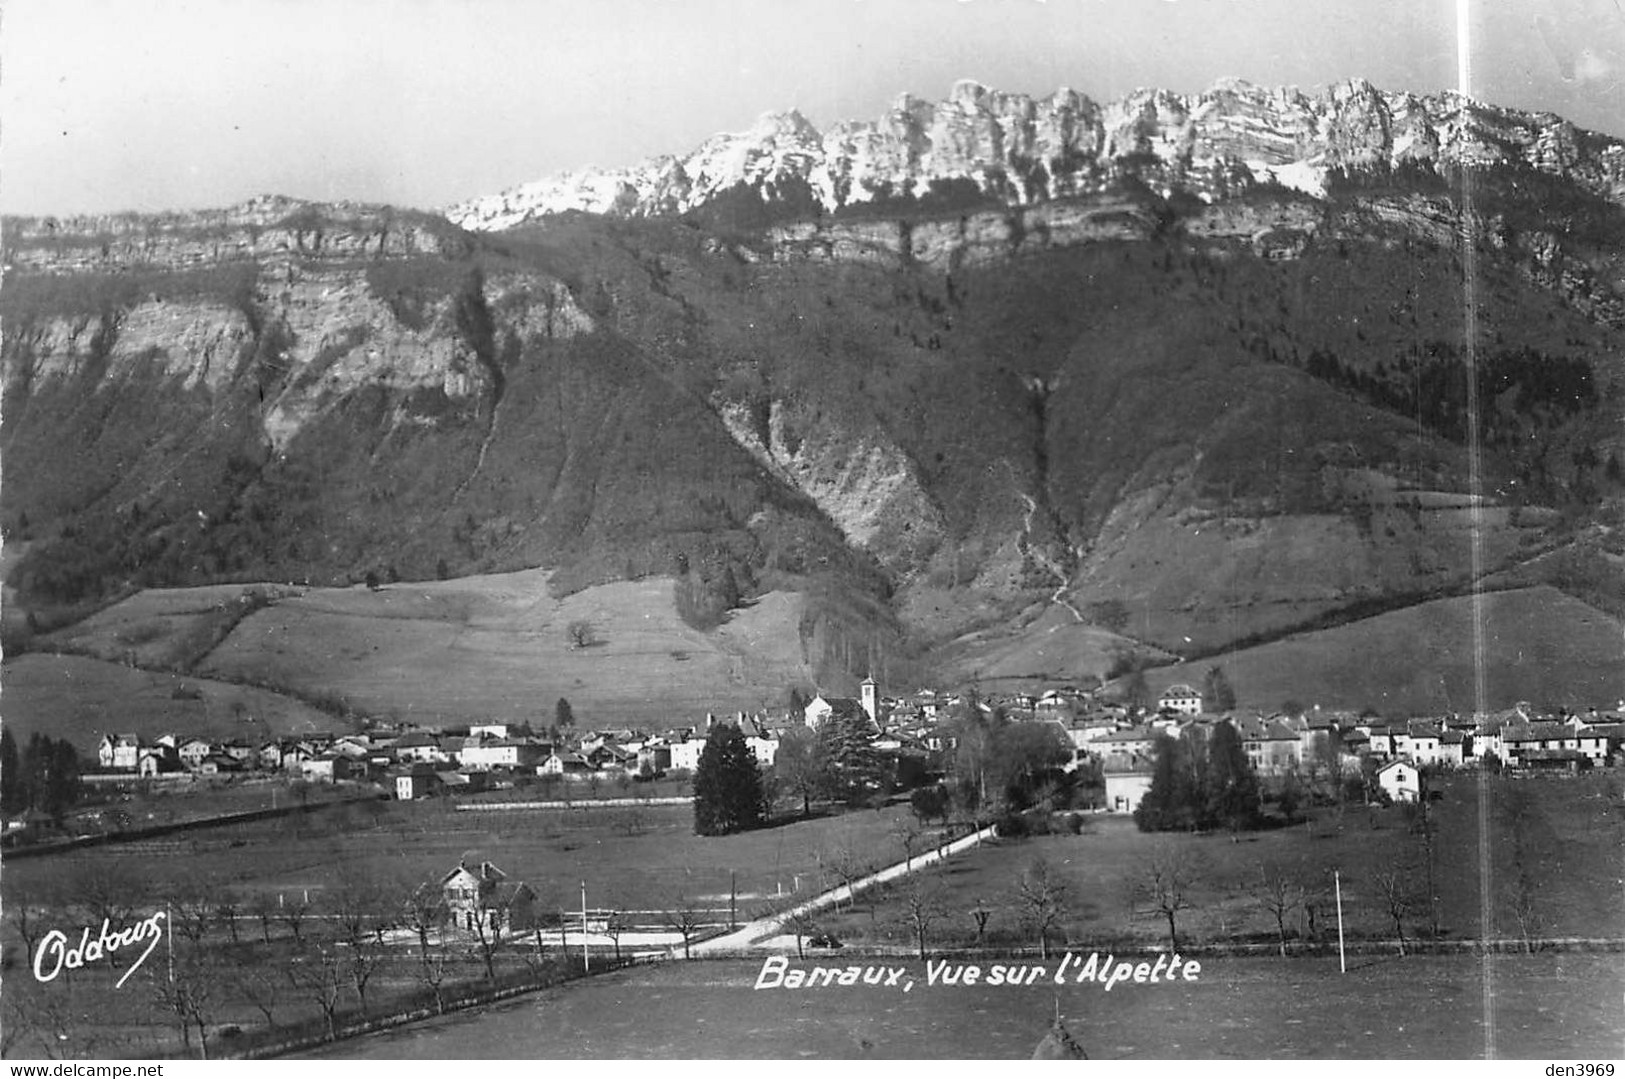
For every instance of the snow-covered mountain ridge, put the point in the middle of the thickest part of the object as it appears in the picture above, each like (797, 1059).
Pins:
(1024, 150)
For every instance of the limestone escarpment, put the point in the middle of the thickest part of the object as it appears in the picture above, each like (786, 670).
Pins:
(269, 229)
(302, 304)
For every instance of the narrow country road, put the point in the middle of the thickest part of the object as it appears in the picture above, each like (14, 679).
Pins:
(753, 934)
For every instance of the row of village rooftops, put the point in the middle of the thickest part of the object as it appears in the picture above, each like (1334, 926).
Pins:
(1276, 745)
(900, 723)
(1122, 739)
(486, 746)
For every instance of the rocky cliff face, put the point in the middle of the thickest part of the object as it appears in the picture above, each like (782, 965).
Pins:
(1022, 150)
(268, 229)
(861, 479)
(292, 274)
(1042, 351)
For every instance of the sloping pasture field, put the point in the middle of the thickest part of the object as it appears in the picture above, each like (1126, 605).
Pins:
(1539, 644)
(499, 647)
(1053, 648)
(80, 699)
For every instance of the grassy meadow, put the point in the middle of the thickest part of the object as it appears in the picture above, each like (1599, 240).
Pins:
(487, 647)
(81, 698)
(1540, 645)
(1560, 840)
(1568, 840)
(645, 861)
(1543, 1006)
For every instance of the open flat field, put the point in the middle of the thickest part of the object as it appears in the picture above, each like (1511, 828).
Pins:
(1544, 1006)
(645, 859)
(1540, 645)
(646, 863)
(1573, 852)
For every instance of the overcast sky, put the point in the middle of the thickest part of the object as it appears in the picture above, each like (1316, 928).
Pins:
(157, 104)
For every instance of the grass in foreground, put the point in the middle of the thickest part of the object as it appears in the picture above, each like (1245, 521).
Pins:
(1544, 1006)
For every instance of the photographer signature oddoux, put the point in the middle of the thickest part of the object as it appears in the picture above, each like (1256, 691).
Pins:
(55, 947)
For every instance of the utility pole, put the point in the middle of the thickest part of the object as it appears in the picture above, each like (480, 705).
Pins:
(733, 900)
(586, 960)
(1342, 959)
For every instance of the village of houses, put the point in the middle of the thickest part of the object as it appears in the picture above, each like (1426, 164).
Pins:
(416, 763)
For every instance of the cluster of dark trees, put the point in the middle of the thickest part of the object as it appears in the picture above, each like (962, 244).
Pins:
(839, 762)
(999, 768)
(1201, 781)
(1523, 395)
(44, 776)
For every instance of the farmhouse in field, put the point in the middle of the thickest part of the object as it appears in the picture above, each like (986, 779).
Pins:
(1401, 780)
(480, 899)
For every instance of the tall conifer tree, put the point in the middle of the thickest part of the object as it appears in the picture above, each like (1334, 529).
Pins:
(727, 785)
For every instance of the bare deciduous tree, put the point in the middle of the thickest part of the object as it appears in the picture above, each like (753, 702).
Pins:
(923, 907)
(261, 987)
(23, 917)
(108, 888)
(1398, 896)
(292, 913)
(424, 909)
(318, 977)
(907, 835)
(849, 866)
(1278, 894)
(191, 910)
(805, 925)
(191, 991)
(615, 927)
(1041, 898)
(684, 917)
(36, 1022)
(226, 912)
(488, 939)
(1526, 910)
(1165, 881)
(432, 971)
(263, 907)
